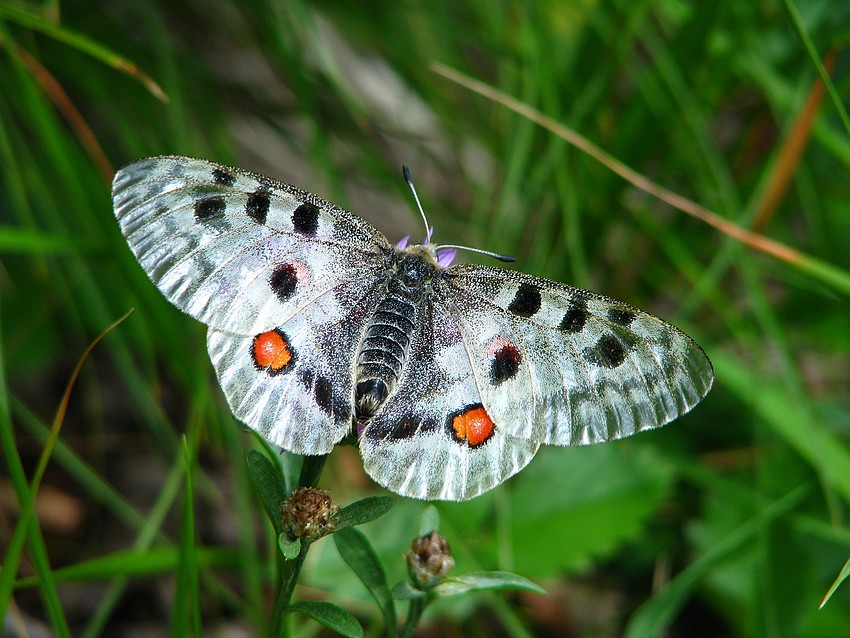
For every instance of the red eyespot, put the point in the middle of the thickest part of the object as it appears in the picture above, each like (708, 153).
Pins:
(472, 425)
(271, 351)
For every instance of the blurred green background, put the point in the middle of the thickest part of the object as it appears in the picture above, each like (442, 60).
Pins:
(730, 522)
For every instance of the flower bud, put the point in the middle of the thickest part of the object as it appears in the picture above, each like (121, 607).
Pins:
(429, 560)
(308, 514)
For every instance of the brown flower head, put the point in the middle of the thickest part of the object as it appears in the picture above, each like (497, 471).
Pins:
(308, 514)
(428, 560)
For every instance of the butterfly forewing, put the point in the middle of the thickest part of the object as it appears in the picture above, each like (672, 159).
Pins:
(238, 251)
(587, 368)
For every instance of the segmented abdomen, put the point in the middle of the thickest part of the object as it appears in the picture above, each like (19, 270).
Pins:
(383, 352)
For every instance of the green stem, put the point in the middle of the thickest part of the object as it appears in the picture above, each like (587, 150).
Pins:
(311, 470)
(417, 606)
(289, 570)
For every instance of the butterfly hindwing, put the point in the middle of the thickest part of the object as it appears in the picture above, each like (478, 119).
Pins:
(238, 251)
(586, 367)
(434, 439)
(294, 384)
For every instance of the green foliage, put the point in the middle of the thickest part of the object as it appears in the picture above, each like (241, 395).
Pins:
(734, 517)
(331, 616)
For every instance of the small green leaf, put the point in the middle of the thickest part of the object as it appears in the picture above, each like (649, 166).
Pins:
(330, 615)
(430, 521)
(363, 511)
(269, 482)
(405, 591)
(845, 573)
(289, 548)
(356, 550)
(475, 581)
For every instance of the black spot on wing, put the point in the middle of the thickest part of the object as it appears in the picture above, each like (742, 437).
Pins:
(504, 364)
(526, 302)
(283, 281)
(608, 352)
(305, 219)
(305, 376)
(257, 207)
(209, 207)
(575, 317)
(223, 177)
(406, 427)
(328, 402)
(323, 391)
(621, 316)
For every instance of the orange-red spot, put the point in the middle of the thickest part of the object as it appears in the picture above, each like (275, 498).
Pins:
(473, 425)
(271, 350)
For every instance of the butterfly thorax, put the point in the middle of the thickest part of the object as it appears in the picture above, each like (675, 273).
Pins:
(386, 341)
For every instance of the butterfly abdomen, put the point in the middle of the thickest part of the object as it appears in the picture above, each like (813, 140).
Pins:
(383, 353)
(386, 341)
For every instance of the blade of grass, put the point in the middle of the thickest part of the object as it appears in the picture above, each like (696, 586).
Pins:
(26, 498)
(81, 43)
(837, 102)
(842, 576)
(657, 613)
(187, 603)
(831, 275)
(790, 152)
(135, 562)
(72, 115)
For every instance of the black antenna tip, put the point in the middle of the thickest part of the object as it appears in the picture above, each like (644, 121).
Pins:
(506, 258)
(406, 172)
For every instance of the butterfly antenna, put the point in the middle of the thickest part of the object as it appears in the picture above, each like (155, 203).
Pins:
(505, 258)
(429, 230)
(409, 180)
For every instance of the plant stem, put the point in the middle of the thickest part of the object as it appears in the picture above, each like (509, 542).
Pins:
(417, 606)
(311, 470)
(289, 570)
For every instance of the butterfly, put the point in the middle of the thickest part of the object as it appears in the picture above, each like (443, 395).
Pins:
(449, 378)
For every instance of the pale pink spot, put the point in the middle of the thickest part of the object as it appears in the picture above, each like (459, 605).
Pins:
(497, 344)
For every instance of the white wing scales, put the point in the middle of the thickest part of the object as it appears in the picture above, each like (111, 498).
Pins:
(256, 259)
(309, 406)
(409, 446)
(592, 369)
(211, 238)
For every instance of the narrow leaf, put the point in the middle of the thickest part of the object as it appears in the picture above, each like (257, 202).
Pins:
(331, 616)
(476, 581)
(430, 521)
(656, 613)
(356, 550)
(269, 482)
(135, 563)
(363, 511)
(405, 591)
(845, 573)
(82, 43)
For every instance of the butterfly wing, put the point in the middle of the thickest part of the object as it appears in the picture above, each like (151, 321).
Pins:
(433, 439)
(238, 251)
(583, 367)
(304, 402)
(283, 278)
